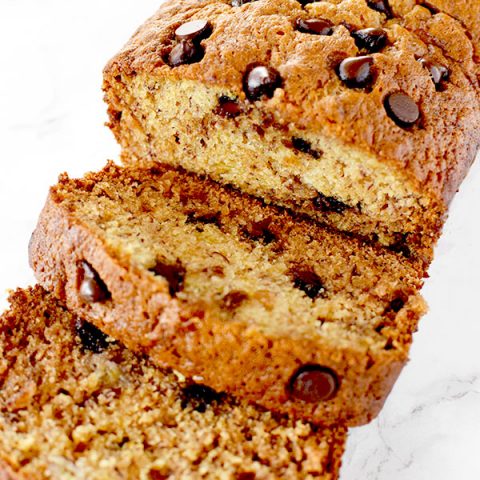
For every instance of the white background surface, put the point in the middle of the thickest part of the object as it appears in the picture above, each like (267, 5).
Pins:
(51, 120)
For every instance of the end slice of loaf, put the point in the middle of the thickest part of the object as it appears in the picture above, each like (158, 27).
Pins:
(379, 151)
(75, 405)
(244, 297)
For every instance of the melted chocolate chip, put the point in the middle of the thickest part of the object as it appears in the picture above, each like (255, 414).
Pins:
(173, 274)
(194, 30)
(91, 337)
(260, 231)
(261, 81)
(305, 147)
(314, 383)
(438, 72)
(356, 72)
(397, 304)
(370, 39)
(92, 288)
(329, 204)
(402, 109)
(315, 26)
(228, 107)
(381, 6)
(234, 299)
(211, 218)
(306, 280)
(185, 52)
(199, 397)
(306, 2)
(246, 476)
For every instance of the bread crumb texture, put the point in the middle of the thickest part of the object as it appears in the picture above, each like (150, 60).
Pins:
(67, 412)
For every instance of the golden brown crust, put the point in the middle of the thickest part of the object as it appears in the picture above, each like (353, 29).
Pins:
(192, 336)
(435, 156)
(69, 412)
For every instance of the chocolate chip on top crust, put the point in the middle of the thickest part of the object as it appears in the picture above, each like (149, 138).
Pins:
(228, 107)
(261, 81)
(356, 72)
(91, 337)
(315, 26)
(438, 72)
(381, 6)
(188, 49)
(314, 383)
(370, 39)
(184, 53)
(174, 274)
(194, 30)
(402, 109)
(92, 289)
(199, 397)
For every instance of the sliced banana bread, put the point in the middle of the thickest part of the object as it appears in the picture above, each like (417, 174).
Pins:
(362, 114)
(244, 297)
(75, 405)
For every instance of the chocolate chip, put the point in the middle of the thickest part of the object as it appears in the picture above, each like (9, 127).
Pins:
(246, 476)
(381, 6)
(228, 107)
(234, 299)
(239, 3)
(306, 280)
(199, 397)
(397, 304)
(314, 383)
(211, 218)
(329, 204)
(260, 231)
(194, 30)
(402, 109)
(92, 289)
(370, 39)
(306, 2)
(316, 26)
(261, 81)
(438, 72)
(356, 72)
(185, 52)
(305, 147)
(91, 337)
(174, 274)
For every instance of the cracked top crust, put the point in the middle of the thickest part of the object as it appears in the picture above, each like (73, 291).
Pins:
(435, 154)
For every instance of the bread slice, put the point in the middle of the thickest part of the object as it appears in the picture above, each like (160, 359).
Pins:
(76, 405)
(371, 131)
(244, 297)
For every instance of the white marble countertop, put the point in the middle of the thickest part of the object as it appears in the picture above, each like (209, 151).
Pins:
(51, 120)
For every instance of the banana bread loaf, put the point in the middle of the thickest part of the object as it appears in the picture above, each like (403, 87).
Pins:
(363, 114)
(244, 297)
(75, 405)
